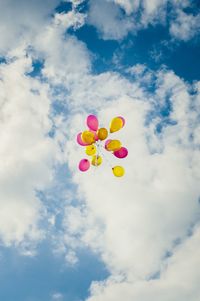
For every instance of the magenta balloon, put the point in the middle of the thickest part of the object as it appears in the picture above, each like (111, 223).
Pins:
(121, 153)
(84, 165)
(107, 142)
(123, 120)
(80, 141)
(92, 122)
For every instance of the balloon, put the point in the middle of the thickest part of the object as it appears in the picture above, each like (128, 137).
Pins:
(102, 133)
(92, 140)
(113, 145)
(106, 143)
(80, 141)
(95, 135)
(116, 124)
(90, 150)
(118, 171)
(121, 153)
(88, 137)
(123, 120)
(92, 122)
(84, 165)
(96, 160)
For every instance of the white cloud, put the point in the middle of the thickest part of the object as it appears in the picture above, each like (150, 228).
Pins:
(179, 280)
(57, 296)
(76, 3)
(128, 5)
(112, 23)
(21, 20)
(153, 12)
(71, 257)
(185, 26)
(27, 153)
(132, 223)
(70, 19)
(108, 19)
(65, 58)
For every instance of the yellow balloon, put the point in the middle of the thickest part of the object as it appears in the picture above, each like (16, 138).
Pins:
(113, 145)
(116, 124)
(96, 160)
(102, 133)
(88, 137)
(118, 171)
(90, 150)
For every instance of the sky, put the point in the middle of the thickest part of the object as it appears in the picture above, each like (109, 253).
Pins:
(72, 236)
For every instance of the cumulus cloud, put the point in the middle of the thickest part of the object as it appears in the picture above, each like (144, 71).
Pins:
(120, 17)
(57, 296)
(76, 3)
(137, 223)
(143, 226)
(128, 5)
(185, 26)
(179, 280)
(109, 20)
(22, 20)
(26, 150)
(65, 58)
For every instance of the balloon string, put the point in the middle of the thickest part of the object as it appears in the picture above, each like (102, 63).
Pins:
(99, 145)
(96, 159)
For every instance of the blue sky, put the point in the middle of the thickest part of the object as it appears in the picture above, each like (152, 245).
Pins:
(85, 237)
(40, 277)
(148, 47)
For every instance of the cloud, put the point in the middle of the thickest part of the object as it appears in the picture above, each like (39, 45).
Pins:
(20, 21)
(76, 3)
(128, 5)
(57, 296)
(120, 17)
(58, 49)
(179, 280)
(27, 152)
(185, 26)
(136, 223)
(145, 226)
(110, 22)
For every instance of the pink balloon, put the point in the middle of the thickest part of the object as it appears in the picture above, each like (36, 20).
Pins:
(106, 143)
(121, 153)
(123, 120)
(84, 165)
(92, 122)
(80, 141)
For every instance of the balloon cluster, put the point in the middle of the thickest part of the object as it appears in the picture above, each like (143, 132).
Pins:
(91, 139)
